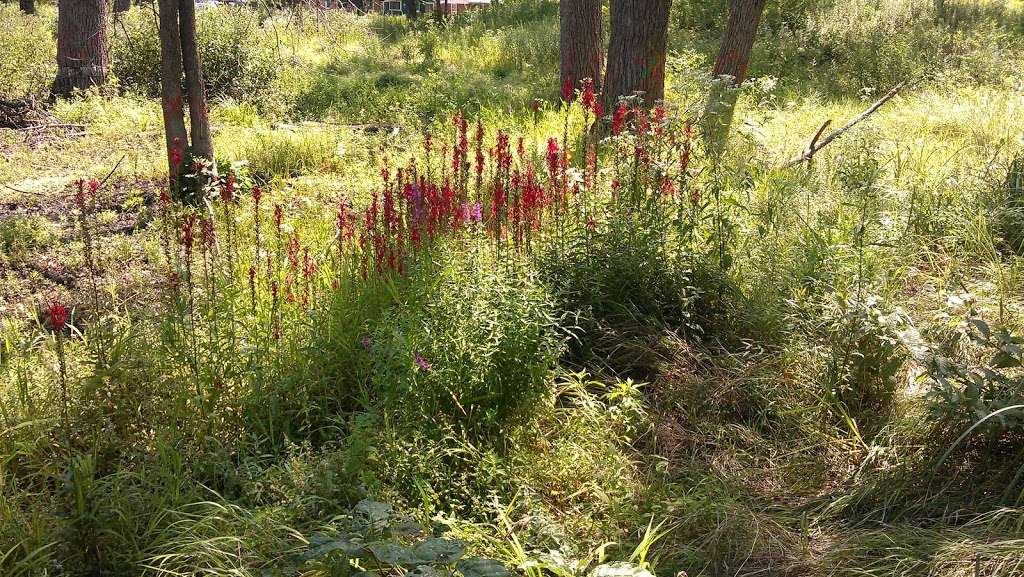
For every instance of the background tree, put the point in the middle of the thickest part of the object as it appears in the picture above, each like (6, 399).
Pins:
(27, 6)
(636, 52)
(122, 6)
(180, 56)
(581, 42)
(81, 45)
(731, 69)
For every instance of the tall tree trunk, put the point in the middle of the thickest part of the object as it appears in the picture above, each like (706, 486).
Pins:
(581, 42)
(122, 6)
(636, 53)
(81, 45)
(202, 143)
(730, 70)
(170, 90)
(27, 6)
(740, 31)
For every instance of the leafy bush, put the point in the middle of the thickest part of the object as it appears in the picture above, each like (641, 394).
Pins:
(866, 354)
(27, 51)
(20, 234)
(1010, 213)
(238, 59)
(374, 541)
(473, 345)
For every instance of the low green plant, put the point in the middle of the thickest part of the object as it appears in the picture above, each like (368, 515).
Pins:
(472, 345)
(373, 540)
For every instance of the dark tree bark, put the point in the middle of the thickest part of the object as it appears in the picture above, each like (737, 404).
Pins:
(734, 54)
(636, 53)
(81, 45)
(202, 143)
(581, 42)
(27, 6)
(173, 101)
(122, 6)
(730, 71)
(411, 8)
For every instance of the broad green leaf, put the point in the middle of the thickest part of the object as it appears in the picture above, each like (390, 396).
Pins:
(620, 569)
(480, 567)
(349, 547)
(391, 553)
(437, 550)
(375, 511)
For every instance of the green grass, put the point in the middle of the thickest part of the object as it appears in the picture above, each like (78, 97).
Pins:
(742, 379)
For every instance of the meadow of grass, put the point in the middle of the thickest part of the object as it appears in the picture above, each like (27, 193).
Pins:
(429, 319)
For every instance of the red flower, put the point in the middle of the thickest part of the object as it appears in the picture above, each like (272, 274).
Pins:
(58, 316)
(227, 191)
(257, 194)
(567, 92)
(176, 155)
(588, 98)
(619, 118)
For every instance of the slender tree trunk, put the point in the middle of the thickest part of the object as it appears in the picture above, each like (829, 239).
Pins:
(81, 45)
(734, 54)
(636, 53)
(170, 90)
(27, 6)
(581, 42)
(122, 6)
(730, 70)
(202, 143)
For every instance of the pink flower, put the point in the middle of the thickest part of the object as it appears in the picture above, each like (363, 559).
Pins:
(422, 363)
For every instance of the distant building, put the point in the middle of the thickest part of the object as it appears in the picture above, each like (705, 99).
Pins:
(456, 6)
(395, 7)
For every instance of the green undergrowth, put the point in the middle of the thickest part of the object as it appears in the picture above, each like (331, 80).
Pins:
(731, 368)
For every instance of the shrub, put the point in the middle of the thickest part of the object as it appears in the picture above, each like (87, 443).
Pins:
(237, 56)
(472, 345)
(1010, 214)
(22, 234)
(27, 51)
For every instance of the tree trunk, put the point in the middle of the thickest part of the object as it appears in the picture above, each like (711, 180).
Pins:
(734, 54)
(27, 6)
(202, 143)
(81, 45)
(122, 6)
(636, 53)
(170, 89)
(730, 71)
(411, 8)
(581, 42)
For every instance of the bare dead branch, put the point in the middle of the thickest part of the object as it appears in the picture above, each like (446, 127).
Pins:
(815, 145)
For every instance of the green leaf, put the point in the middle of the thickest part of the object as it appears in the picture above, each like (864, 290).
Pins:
(391, 553)
(437, 550)
(480, 567)
(376, 512)
(620, 569)
(424, 571)
(349, 547)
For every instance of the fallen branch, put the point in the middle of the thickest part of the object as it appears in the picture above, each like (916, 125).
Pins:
(814, 146)
(48, 126)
